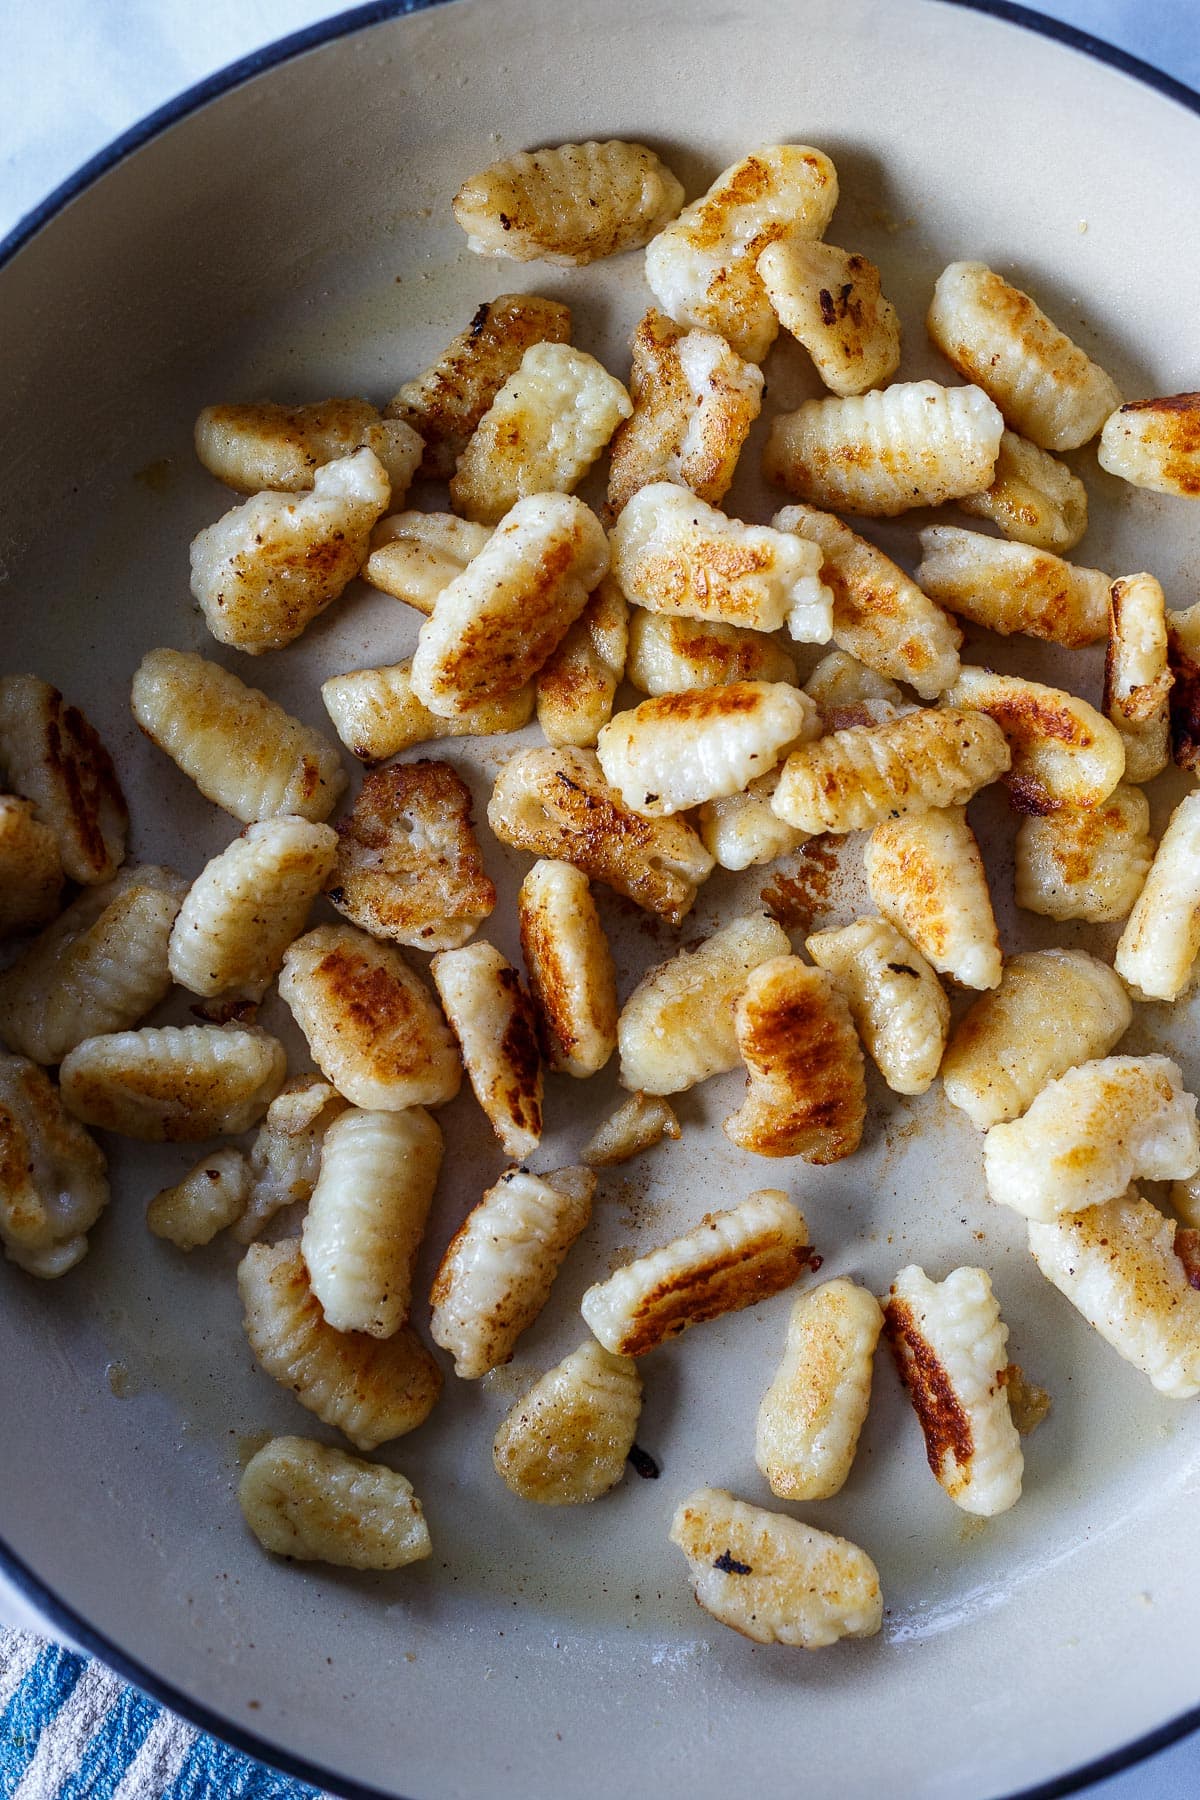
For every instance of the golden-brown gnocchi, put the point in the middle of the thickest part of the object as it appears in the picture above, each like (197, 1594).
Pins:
(500, 1265)
(679, 1024)
(31, 871)
(728, 1261)
(576, 686)
(446, 403)
(570, 204)
(556, 803)
(408, 864)
(846, 692)
(566, 1442)
(264, 447)
(247, 905)
(1183, 661)
(541, 434)
(895, 999)
(373, 1027)
(638, 1124)
(672, 553)
(208, 1199)
(995, 335)
(1090, 1133)
(1085, 862)
(415, 556)
(376, 713)
(311, 1503)
(371, 1389)
(492, 1017)
(1052, 1010)
(1161, 939)
(1033, 498)
(880, 614)
(855, 778)
(669, 654)
(772, 1578)
(1155, 444)
(742, 829)
(1064, 753)
(53, 1177)
(571, 974)
(1013, 587)
(1137, 679)
(498, 622)
(832, 302)
(912, 444)
(812, 1413)
(52, 756)
(263, 572)
(949, 1344)
(806, 1085)
(702, 269)
(242, 751)
(694, 401)
(926, 875)
(174, 1084)
(677, 750)
(101, 966)
(367, 1216)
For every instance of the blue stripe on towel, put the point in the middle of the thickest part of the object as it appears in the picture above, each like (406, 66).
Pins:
(111, 1750)
(32, 1709)
(212, 1768)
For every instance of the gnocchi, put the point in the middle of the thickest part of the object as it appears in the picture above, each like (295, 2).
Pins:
(53, 1176)
(52, 756)
(567, 1440)
(1033, 498)
(313, 1503)
(571, 975)
(265, 447)
(173, 1083)
(492, 1017)
(926, 875)
(1013, 587)
(1137, 679)
(896, 1001)
(1155, 444)
(811, 1415)
(1161, 938)
(570, 204)
(832, 302)
(1064, 753)
(1085, 862)
(805, 1086)
(376, 713)
(676, 751)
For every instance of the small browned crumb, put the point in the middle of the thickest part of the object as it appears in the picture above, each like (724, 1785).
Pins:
(1028, 1403)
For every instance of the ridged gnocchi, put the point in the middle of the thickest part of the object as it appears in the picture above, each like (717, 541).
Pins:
(264, 447)
(1137, 679)
(492, 1017)
(577, 684)
(811, 1415)
(174, 1083)
(208, 1199)
(312, 1503)
(569, 204)
(285, 1158)
(1085, 862)
(571, 975)
(669, 653)
(638, 1124)
(676, 751)
(1013, 587)
(741, 830)
(896, 1001)
(376, 713)
(1064, 753)
(832, 302)
(1033, 498)
(1155, 444)
(414, 556)
(566, 1441)
(1161, 939)
(805, 1081)
(53, 1176)
(31, 871)
(925, 874)
(51, 755)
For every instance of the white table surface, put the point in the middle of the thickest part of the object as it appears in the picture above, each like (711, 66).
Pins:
(76, 73)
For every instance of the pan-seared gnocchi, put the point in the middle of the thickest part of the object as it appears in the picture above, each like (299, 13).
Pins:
(31, 871)
(570, 204)
(1161, 939)
(267, 448)
(53, 1176)
(367, 1216)
(1053, 1010)
(638, 1124)
(832, 302)
(882, 453)
(571, 975)
(679, 1024)
(1119, 1264)
(264, 571)
(669, 653)
(853, 779)
(499, 621)
(676, 751)
(566, 1442)
(492, 1017)
(242, 750)
(996, 336)
(311, 1503)
(174, 1083)
(805, 1080)
(371, 1023)
(414, 556)
(376, 713)
(1033, 498)
(772, 1578)
(446, 403)
(694, 401)
(1085, 862)
(729, 1261)
(247, 905)
(499, 1267)
(812, 1413)
(672, 553)
(896, 1001)
(1155, 444)
(743, 829)
(556, 803)
(1137, 679)
(285, 1158)
(208, 1199)
(926, 875)
(371, 1389)
(578, 683)
(1064, 753)
(51, 755)
(1013, 587)
(407, 864)
(100, 967)
(702, 269)
(949, 1341)
(846, 692)
(1090, 1133)
(880, 615)
(541, 434)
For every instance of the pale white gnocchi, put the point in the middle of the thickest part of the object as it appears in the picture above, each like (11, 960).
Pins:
(743, 829)
(810, 1417)
(414, 556)
(569, 204)
(267, 448)
(1064, 752)
(1013, 587)
(1161, 939)
(638, 1124)
(312, 1503)
(578, 683)
(670, 653)
(676, 751)
(567, 1440)
(376, 713)
(897, 1003)
(208, 1199)
(925, 874)
(285, 1158)
(492, 1017)
(1033, 498)
(1155, 444)
(1085, 862)
(1137, 679)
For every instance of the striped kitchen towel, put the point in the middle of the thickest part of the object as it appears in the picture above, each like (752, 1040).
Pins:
(70, 1730)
